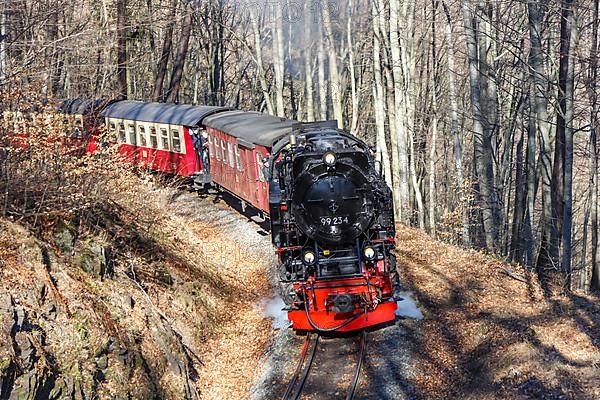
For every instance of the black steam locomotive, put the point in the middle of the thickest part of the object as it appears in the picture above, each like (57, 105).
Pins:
(333, 225)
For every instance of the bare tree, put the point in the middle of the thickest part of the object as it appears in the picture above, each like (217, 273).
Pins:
(122, 48)
(548, 253)
(481, 139)
(161, 71)
(179, 63)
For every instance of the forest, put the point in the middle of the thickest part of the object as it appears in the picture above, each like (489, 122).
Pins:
(483, 114)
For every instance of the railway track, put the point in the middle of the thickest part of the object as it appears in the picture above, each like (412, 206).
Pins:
(307, 355)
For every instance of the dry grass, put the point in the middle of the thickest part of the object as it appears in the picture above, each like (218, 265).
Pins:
(487, 335)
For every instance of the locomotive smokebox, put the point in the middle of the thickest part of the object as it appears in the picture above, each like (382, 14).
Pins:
(343, 303)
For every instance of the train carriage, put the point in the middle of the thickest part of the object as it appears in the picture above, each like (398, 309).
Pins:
(163, 137)
(82, 117)
(239, 143)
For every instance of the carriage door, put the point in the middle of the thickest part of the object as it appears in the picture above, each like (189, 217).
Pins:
(199, 140)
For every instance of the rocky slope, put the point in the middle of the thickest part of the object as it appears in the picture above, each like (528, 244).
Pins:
(144, 298)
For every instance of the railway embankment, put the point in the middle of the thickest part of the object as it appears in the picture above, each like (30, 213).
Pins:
(148, 294)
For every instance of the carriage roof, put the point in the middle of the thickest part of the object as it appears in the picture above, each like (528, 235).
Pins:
(251, 126)
(163, 113)
(80, 105)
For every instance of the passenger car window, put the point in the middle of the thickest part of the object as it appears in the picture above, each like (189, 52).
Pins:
(131, 130)
(153, 138)
(211, 148)
(223, 153)
(142, 136)
(176, 140)
(238, 158)
(164, 137)
(230, 155)
(122, 136)
(260, 165)
(217, 150)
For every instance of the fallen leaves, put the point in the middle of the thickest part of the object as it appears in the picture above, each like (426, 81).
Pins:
(490, 335)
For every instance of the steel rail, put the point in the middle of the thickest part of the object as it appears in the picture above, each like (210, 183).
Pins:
(361, 356)
(300, 384)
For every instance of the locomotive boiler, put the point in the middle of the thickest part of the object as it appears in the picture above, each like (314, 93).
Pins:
(332, 223)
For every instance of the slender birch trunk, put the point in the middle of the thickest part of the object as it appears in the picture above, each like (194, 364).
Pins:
(594, 283)
(308, 72)
(378, 98)
(383, 26)
(334, 73)
(122, 48)
(258, 58)
(400, 142)
(434, 123)
(278, 58)
(321, 76)
(3, 57)
(351, 68)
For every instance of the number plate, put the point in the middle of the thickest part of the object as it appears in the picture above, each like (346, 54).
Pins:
(331, 221)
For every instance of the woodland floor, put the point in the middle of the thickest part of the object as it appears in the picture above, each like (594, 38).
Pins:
(487, 335)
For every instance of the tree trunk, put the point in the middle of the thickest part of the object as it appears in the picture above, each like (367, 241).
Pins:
(559, 166)
(567, 225)
(321, 76)
(383, 25)
(165, 53)
(308, 72)
(458, 161)
(334, 73)
(181, 57)
(548, 254)
(531, 175)
(595, 260)
(260, 71)
(351, 68)
(400, 144)
(122, 48)
(278, 57)
(378, 98)
(3, 58)
(434, 122)
(481, 139)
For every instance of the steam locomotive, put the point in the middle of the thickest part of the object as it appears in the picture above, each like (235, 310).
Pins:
(332, 223)
(330, 211)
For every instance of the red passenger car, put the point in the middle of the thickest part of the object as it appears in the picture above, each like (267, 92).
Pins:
(163, 137)
(239, 143)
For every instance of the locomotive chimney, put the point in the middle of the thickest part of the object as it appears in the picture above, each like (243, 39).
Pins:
(292, 139)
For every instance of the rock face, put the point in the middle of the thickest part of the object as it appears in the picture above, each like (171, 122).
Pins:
(70, 328)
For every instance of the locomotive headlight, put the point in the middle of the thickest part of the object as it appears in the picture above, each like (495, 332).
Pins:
(329, 158)
(309, 257)
(369, 253)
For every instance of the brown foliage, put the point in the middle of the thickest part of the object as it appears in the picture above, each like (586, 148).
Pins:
(42, 173)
